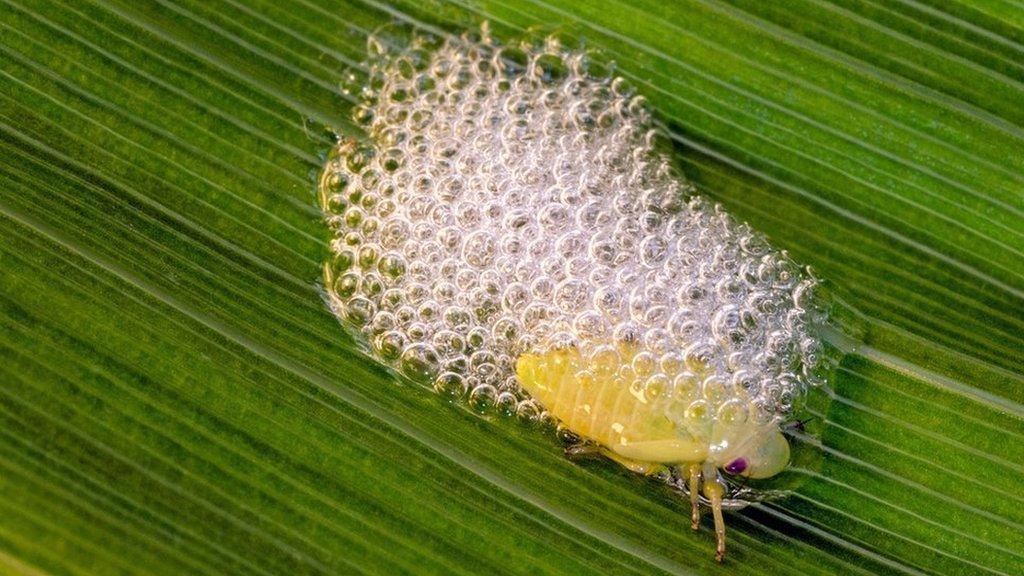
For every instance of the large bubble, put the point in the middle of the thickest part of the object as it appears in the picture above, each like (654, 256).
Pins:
(507, 200)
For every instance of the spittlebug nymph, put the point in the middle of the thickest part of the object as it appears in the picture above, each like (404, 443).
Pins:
(644, 433)
(509, 233)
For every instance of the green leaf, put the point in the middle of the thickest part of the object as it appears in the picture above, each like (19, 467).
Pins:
(176, 398)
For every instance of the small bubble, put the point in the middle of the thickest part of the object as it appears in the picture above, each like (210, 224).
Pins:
(389, 345)
(419, 360)
(450, 385)
(698, 411)
(359, 310)
(483, 398)
(346, 285)
(506, 404)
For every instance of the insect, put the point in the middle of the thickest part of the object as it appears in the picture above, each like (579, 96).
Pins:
(509, 233)
(637, 433)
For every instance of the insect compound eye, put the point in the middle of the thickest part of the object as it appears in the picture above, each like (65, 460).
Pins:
(737, 466)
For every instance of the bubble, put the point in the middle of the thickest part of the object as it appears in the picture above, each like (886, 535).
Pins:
(419, 359)
(392, 265)
(733, 412)
(511, 199)
(450, 385)
(506, 403)
(527, 411)
(483, 397)
(698, 411)
(390, 345)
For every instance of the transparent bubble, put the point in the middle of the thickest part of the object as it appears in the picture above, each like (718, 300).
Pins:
(483, 397)
(511, 200)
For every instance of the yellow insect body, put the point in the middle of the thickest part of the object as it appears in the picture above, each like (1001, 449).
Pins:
(634, 427)
(608, 411)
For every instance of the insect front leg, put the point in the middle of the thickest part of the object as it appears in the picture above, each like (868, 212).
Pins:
(715, 491)
(693, 475)
(639, 466)
(582, 450)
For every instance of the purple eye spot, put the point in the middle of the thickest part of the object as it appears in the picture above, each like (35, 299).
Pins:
(737, 466)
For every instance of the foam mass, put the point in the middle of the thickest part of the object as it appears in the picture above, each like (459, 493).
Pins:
(510, 200)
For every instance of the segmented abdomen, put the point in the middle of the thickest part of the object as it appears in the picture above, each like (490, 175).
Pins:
(590, 402)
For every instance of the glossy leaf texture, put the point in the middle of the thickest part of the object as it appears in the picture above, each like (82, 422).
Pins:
(177, 399)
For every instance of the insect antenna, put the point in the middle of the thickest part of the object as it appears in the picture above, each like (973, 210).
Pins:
(800, 425)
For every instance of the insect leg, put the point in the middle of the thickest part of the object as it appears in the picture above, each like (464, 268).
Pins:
(582, 450)
(638, 466)
(714, 491)
(693, 473)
